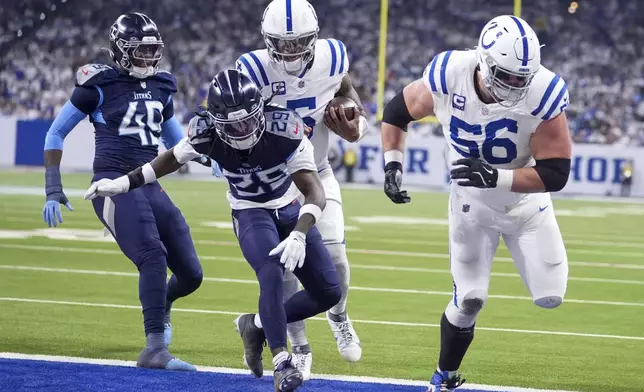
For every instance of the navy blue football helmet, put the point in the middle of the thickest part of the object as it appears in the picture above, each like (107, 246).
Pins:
(236, 107)
(136, 45)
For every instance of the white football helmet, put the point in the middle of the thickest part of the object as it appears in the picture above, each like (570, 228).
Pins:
(290, 30)
(509, 55)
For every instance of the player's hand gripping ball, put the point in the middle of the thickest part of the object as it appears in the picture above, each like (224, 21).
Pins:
(342, 115)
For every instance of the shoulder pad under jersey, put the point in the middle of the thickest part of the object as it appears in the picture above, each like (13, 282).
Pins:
(254, 65)
(95, 75)
(444, 69)
(284, 122)
(334, 54)
(547, 95)
(167, 81)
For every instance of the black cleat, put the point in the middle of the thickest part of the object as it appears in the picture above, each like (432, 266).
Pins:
(254, 340)
(286, 377)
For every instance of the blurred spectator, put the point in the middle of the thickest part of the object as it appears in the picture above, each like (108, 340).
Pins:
(596, 49)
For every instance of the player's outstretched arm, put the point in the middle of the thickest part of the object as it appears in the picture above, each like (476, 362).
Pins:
(167, 162)
(551, 147)
(83, 101)
(413, 103)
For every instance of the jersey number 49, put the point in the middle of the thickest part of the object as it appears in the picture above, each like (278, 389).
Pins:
(143, 121)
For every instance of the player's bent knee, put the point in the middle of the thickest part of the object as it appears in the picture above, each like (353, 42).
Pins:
(473, 301)
(330, 297)
(153, 258)
(270, 276)
(548, 302)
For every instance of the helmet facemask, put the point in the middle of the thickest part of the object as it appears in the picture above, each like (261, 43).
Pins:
(241, 130)
(507, 88)
(292, 54)
(139, 57)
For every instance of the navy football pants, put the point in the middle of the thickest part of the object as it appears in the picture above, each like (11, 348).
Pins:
(152, 232)
(261, 230)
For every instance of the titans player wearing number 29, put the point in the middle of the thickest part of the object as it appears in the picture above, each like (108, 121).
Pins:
(304, 73)
(130, 105)
(503, 114)
(267, 162)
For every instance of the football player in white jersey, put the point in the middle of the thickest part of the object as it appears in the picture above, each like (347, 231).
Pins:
(503, 115)
(304, 73)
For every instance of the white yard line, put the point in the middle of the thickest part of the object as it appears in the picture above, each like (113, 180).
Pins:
(353, 288)
(375, 322)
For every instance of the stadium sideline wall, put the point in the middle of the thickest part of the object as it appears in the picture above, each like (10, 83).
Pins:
(596, 169)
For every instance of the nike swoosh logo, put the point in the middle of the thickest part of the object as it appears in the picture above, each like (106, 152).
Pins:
(542, 209)
(488, 170)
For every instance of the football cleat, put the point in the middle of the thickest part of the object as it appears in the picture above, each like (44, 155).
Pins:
(287, 377)
(345, 337)
(254, 341)
(441, 382)
(303, 360)
(162, 359)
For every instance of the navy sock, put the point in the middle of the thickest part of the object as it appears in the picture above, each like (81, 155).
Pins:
(152, 290)
(271, 305)
(454, 344)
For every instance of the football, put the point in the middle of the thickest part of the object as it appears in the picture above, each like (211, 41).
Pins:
(346, 102)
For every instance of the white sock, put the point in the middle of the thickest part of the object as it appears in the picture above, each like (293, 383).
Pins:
(258, 321)
(279, 358)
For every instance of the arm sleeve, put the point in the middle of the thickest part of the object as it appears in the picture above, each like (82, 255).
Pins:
(171, 132)
(301, 158)
(184, 151)
(68, 117)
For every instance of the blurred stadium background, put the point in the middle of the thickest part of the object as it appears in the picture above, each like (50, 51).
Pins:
(67, 291)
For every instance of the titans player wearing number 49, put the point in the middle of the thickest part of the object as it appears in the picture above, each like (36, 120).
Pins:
(130, 105)
(503, 115)
(304, 73)
(267, 162)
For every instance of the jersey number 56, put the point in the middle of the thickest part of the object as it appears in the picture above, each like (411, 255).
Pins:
(473, 149)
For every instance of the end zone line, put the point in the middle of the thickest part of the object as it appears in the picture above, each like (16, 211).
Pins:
(375, 322)
(223, 370)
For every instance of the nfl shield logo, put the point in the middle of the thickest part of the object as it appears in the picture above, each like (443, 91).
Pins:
(485, 111)
(466, 208)
(301, 84)
(143, 84)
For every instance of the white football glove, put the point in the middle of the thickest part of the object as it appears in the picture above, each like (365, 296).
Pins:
(293, 250)
(107, 188)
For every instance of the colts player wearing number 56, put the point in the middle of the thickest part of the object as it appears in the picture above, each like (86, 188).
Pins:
(130, 105)
(503, 115)
(304, 73)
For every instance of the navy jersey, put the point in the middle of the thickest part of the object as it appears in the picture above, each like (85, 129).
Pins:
(259, 178)
(128, 116)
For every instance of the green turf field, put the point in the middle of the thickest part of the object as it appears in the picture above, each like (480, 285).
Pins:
(594, 342)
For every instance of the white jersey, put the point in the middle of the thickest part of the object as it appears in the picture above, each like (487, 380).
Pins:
(308, 94)
(496, 134)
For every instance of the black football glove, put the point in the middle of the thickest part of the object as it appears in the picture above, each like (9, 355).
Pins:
(393, 180)
(475, 172)
(204, 160)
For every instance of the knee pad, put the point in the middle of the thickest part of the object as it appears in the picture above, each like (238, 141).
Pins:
(270, 277)
(548, 302)
(153, 259)
(463, 312)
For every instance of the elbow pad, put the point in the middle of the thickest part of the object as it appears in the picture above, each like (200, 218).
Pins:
(553, 172)
(396, 112)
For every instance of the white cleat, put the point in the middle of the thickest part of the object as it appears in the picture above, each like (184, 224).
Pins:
(346, 338)
(303, 360)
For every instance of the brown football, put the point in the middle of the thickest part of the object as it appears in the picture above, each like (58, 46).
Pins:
(346, 102)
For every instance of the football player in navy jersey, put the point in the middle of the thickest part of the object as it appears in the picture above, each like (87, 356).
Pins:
(267, 161)
(130, 105)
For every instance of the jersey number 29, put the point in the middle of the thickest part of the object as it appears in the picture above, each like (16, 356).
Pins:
(149, 130)
(472, 149)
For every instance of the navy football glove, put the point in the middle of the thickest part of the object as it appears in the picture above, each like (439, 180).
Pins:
(475, 172)
(51, 213)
